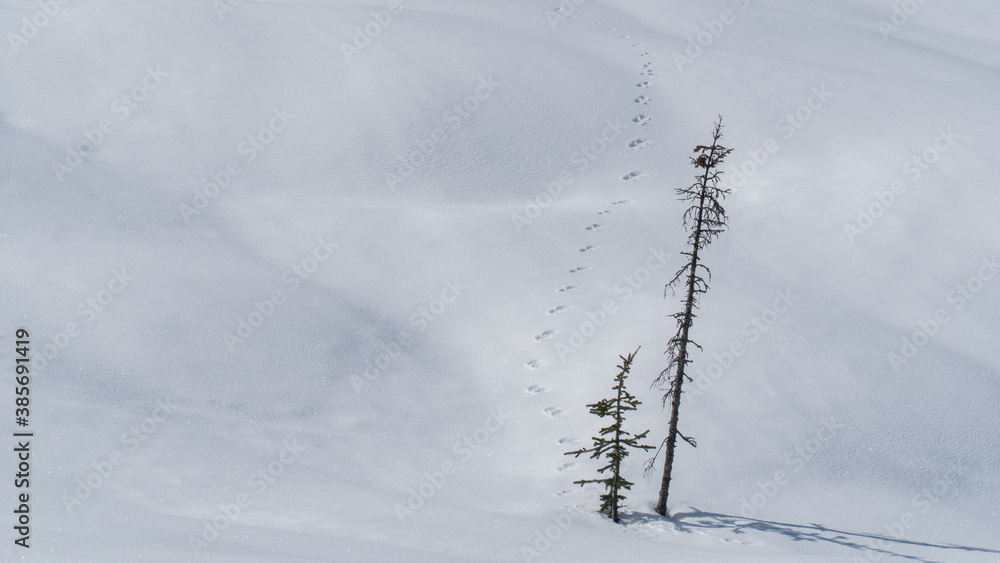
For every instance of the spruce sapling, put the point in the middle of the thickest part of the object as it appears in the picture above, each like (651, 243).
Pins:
(614, 441)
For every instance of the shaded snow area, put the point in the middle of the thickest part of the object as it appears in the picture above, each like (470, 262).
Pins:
(335, 280)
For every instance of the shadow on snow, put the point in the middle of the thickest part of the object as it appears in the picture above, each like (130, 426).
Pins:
(865, 542)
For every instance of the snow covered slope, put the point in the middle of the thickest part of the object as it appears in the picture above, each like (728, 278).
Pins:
(335, 280)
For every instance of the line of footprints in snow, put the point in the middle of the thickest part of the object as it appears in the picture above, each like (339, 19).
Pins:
(647, 70)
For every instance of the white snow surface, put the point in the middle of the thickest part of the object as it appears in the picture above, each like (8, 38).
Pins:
(409, 392)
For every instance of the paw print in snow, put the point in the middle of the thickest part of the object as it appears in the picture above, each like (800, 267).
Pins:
(545, 335)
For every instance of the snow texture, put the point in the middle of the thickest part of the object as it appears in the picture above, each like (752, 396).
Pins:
(334, 281)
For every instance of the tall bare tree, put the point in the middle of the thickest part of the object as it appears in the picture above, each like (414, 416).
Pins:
(703, 220)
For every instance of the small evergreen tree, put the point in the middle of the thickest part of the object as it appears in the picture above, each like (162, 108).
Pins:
(704, 220)
(614, 441)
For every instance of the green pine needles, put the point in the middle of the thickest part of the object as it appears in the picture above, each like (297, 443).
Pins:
(614, 441)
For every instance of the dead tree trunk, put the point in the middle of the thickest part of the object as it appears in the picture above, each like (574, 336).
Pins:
(705, 219)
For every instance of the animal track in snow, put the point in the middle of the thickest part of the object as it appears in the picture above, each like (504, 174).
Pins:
(565, 466)
(568, 441)
(545, 335)
(536, 389)
(641, 119)
(643, 84)
(556, 310)
(619, 202)
(594, 227)
(588, 248)
(642, 100)
(578, 269)
(533, 364)
(638, 143)
(566, 289)
(564, 492)
(554, 412)
(630, 176)
(643, 54)
(605, 212)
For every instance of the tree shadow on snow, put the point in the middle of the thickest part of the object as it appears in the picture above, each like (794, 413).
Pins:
(872, 546)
